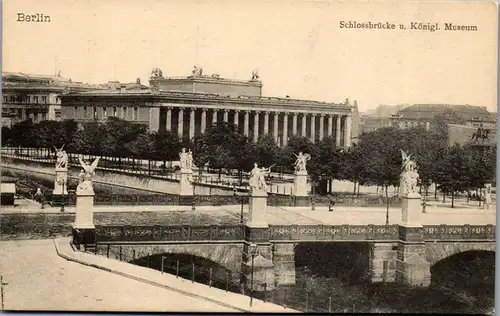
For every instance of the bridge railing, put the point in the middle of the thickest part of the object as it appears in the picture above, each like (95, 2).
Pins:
(334, 232)
(303, 233)
(169, 233)
(459, 232)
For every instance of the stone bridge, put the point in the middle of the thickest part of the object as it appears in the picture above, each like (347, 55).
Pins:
(396, 253)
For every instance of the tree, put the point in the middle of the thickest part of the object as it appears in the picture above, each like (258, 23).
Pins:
(166, 146)
(6, 136)
(325, 164)
(219, 145)
(453, 171)
(265, 151)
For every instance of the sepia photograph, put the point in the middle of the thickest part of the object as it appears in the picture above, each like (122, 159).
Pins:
(260, 156)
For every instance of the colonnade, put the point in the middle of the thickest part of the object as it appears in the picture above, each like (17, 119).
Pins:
(329, 124)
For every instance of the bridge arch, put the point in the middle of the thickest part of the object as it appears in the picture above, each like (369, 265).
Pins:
(436, 252)
(227, 256)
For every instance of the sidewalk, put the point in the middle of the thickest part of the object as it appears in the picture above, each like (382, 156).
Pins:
(167, 281)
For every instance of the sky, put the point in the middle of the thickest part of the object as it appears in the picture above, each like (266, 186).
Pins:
(297, 47)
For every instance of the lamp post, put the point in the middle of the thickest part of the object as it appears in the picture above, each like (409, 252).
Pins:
(313, 202)
(63, 196)
(253, 251)
(241, 212)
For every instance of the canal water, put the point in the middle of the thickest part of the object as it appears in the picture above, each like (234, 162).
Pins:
(461, 285)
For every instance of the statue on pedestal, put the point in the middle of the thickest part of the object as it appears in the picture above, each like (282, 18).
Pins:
(301, 162)
(186, 159)
(86, 176)
(409, 176)
(258, 177)
(197, 71)
(255, 75)
(62, 158)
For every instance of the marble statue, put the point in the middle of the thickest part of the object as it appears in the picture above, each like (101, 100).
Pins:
(86, 175)
(258, 177)
(409, 175)
(156, 73)
(197, 71)
(301, 162)
(186, 159)
(189, 159)
(62, 158)
(255, 75)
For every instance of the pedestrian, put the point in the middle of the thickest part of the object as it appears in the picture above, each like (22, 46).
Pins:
(331, 204)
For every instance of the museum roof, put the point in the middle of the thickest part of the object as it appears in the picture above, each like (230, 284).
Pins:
(172, 94)
(26, 80)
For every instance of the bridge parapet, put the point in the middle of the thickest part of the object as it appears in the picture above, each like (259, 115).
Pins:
(169, 233)
(293, 233)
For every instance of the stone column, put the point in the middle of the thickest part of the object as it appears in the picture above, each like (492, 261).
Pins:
(411, 266)
(347, 131)
(337, 131)
(294, 124)
(154, 119)
(226, 115)
(257, 236)
(321, 125)
(275, 126)
(313, 127)
(304, 121)
(192, 119)
(284, 263)
(256, 126)
(266, 123)
(247, 122)
(330, 125)
(214, 117)
(285, 129)
(203, 120)
(169, 119)
(180, 122)
(236, 117)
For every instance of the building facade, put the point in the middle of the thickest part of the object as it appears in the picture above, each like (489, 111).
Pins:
(424, 114)
(189, 105)
(35, 97)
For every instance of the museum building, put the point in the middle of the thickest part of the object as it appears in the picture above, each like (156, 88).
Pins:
(189, 105)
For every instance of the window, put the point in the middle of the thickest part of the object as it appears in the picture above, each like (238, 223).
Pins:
(44, 99)
(105, 111)
(115, 111)
(76, 111)
(125, 112)
(4, 99)
(58, 115)
(95, 113)
(35, 99)
(475, 118)
(136, 113)
(84, 112)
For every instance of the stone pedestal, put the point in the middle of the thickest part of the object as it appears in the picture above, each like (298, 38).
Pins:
(60, 192)
(257, 209)
(412, 267)
(83, 227)
(186, 182)
(61, 182)
(300, 183)
(412, 210)
(487, 197)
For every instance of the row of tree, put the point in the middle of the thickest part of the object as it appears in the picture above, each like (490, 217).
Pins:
(375, 159)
